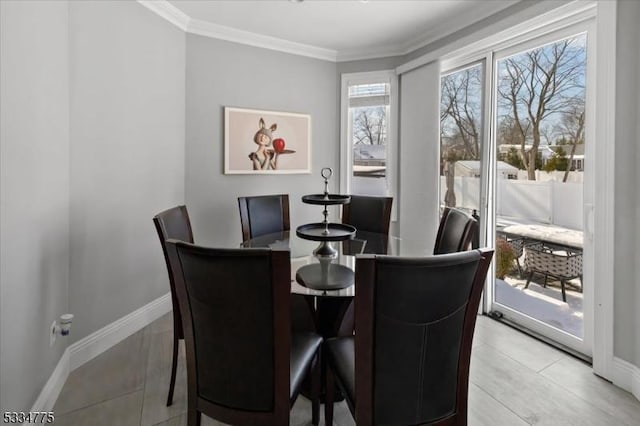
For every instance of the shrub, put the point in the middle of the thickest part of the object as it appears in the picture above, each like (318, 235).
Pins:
(505, 255)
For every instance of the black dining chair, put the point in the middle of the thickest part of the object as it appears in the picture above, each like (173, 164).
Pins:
(244, 365)
(371, 216)
(456, 231)
(266, 214)
(367, 213)
(173, 223)
(263, 214)
(408, 362)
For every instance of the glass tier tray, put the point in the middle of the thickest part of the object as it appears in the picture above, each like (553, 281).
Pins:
(326, 200)
(317, 232)
(325, 276)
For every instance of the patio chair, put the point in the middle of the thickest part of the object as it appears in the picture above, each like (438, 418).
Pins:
(562, 263)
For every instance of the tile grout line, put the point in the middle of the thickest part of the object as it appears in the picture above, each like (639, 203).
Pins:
(547, 366)
(570, 390)
(168, 420)
(549, 381)
(522, 364)
(500, 402)
(99, 402)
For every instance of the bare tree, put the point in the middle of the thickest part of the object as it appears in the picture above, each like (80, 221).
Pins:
(460, 110)
(537, 84)
(572, 125)
(460, 121)
(369, 126)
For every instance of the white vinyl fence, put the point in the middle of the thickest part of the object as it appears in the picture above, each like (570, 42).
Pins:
(546, 202)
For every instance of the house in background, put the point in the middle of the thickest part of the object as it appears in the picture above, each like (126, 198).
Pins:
(471, 168)
(113, 111)
(577, 161)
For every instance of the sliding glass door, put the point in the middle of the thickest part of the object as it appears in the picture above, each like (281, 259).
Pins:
(515, 144)
(540, 121)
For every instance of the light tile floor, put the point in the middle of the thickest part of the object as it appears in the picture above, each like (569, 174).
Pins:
(515, 380)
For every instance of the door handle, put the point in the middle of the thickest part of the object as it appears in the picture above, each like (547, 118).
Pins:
(588, 221)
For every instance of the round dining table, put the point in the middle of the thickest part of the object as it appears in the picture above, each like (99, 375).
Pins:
(328, 288)
(328, 285)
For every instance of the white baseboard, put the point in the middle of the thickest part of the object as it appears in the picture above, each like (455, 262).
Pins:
(626, 376)
(49, 394)
(96, 343)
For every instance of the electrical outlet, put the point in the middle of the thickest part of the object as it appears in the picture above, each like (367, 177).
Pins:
(52, 333)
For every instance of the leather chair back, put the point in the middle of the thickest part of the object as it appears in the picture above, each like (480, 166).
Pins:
(173, 223)
(371, 214)
(227, 299)
(456, 231)
(263, 214)
(414, 327)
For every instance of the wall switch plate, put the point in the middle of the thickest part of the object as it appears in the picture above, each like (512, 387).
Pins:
(52, 333)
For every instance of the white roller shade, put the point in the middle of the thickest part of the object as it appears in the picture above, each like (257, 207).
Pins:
(419, 153)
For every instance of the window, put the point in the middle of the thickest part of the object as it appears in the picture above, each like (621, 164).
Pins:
(541, 108)
(461, 136)
(368, 133)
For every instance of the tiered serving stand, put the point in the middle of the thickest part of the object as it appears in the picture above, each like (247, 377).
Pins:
(325, 275)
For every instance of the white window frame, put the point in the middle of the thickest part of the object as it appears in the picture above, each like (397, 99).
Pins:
(346, 148)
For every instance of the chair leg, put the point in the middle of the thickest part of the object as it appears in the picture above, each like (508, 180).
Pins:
(315, 390)
(174, 366)
(193, 418)
(526, 286)
(545, 281)
(581, 287)
(519, 268)
(564, 294)
(329, 396)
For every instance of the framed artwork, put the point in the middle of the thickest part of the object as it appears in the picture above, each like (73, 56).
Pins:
(266, 142)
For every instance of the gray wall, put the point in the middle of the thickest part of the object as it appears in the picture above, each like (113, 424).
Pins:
(221, 73)
(419, 150)
(637, 209)
(127, 155)
(34, 152)
(627, 197)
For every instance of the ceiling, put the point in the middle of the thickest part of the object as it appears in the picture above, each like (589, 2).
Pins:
(342, 29)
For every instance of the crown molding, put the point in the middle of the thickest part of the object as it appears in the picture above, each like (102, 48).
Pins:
(363, 54)
(222, 32)
(167, 11)
(540, 15)
(446, 28)
(433, 34)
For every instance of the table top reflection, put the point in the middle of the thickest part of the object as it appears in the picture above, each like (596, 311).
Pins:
(363, 243)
